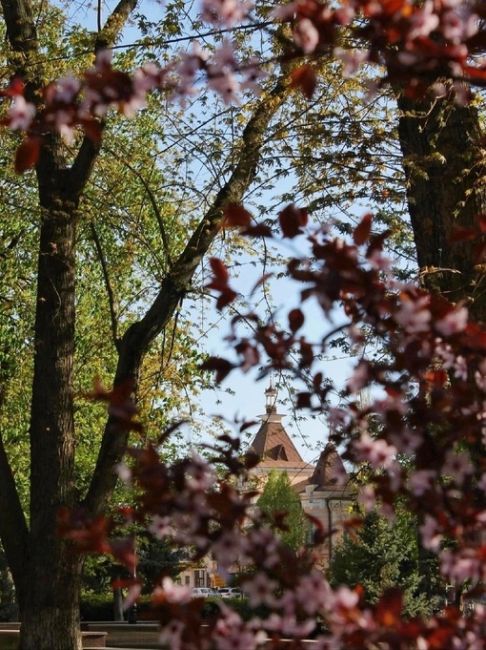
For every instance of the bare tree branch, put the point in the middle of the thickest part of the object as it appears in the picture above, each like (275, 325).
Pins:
(115, 23)
(88, 152)
(153, 203)
(109, 288)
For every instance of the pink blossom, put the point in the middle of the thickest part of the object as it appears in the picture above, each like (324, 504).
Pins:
(480, 376)
(190, 62)
(306, 35)
(260, 590)
(367, 498)
(345, 597)
(263, 540)
(453, 322)
(172, 592)
(144, 80)
(461, 566)
(414, 315)
(293, 628)
(170, 635)
(200, 476)
(406, 441)
(123, 472)
(457, 466)
(186, 71)
(420, 481)
(337, 417)
(224, 58)
(444, 351)
(237, 639)
(226, 86)
(66, 132)
(429, 531)
(288, 625)
(356, 334)
(359, 377)
(451, 4)
(459, 25)
(21, 113)
(64, 90)
(352, 60)
(313, 592)
(252, 74)
(345, 14)
(423, 21)
(285, 11)
(377, 452)
(379, 261)
(460, 368)
(395, 402)
(231, 633)
(134, 592)
(482, 483)
(225, 12)
(221, 77)
(229, 547)
(161, 527)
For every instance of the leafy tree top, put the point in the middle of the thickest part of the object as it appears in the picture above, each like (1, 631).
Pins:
(280, 502)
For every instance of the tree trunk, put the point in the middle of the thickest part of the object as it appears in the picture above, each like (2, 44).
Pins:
(52, 413)
(50, 616)
(445, 171)
(50, 611)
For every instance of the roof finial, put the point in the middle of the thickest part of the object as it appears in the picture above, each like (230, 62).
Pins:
(271, 398)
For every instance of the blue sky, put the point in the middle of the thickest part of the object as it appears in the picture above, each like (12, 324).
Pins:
(242, 395)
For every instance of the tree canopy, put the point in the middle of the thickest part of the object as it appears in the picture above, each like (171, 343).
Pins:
(384, 555)
(281, 504)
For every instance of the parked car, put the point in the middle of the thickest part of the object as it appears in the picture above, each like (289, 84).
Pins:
(202, 592)
(229, 592)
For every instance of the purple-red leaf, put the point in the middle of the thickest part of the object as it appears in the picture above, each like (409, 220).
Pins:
(27, 154)
(260, 230)
(219, 270)
(220, 366)
(304, 78)
(362, 231)
(296, 319)
(235, 216)
(292, 220)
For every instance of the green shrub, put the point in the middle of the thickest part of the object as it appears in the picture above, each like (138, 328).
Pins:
(99, 607)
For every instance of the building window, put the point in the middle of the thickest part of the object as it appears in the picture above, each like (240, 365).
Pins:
(187, 580)
(200, 578)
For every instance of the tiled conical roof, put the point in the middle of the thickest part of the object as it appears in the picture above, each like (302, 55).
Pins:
(272, 443)
(330, 470)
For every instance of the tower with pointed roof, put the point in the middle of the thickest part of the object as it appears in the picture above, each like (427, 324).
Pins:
(274, 446)
(324, 489)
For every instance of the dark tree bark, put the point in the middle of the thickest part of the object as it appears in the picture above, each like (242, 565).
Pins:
(445, 168)
(50, 612)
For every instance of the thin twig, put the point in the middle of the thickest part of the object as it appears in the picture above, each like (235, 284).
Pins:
(109, 288)
(153, 202)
